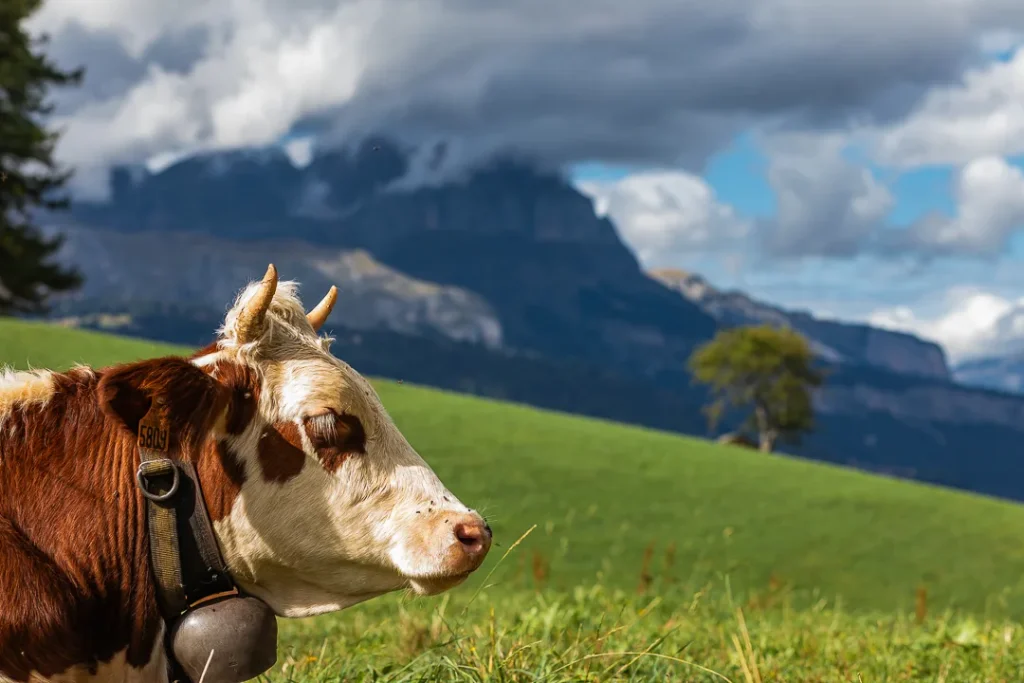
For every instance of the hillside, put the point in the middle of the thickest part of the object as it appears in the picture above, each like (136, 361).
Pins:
(39, 345)
(599, 493)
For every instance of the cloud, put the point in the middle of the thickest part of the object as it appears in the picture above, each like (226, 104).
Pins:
(827, 205)
(834, 207)
(989, 197)
(982, 115)
(667, 217)
(974, 323)
(663, 82)
(299, 151)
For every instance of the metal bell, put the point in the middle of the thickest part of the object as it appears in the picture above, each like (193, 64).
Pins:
(240, 630)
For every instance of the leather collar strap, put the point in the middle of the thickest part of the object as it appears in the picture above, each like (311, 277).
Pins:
(186, 560)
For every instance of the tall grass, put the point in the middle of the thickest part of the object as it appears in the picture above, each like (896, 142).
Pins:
(522, 630)
(593, 633)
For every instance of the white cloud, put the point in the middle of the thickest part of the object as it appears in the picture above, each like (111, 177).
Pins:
(974, 323)
(989, 197)
(158, 162)
(827, 205)
(299, 151)
(136, 24)
(248, 88)
(830, 205)
(982, 115)
(662, 82)
(667, 217)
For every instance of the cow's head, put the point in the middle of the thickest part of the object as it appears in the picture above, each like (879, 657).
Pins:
(318, 500)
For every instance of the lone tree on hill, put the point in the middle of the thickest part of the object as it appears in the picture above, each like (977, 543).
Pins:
(28, 172)
(765, 369)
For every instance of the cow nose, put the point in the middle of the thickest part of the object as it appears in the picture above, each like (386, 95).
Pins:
(473, 538)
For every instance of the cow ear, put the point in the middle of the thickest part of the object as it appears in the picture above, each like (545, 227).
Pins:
(190, 399)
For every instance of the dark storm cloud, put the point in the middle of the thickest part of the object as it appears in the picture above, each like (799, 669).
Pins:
(646, 81)
(658, 82)
(110, 71)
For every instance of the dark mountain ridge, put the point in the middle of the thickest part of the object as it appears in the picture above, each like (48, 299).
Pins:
(561, 279)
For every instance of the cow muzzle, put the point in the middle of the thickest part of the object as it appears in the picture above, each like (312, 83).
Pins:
(465, 539)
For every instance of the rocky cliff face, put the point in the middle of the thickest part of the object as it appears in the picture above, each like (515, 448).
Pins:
(938, 403)
(139, 271)
(557, 276)
(833, 341)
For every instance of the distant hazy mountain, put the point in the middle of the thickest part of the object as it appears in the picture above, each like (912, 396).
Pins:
(142, 271)
(1003, 373)
(833, 341)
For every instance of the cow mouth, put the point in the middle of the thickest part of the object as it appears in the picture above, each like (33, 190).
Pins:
(433, 585)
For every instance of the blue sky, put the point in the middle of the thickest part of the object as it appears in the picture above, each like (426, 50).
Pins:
(921, 191)
(737, 174)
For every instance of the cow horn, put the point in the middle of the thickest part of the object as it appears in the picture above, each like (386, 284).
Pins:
(250, 318)
(318, 316)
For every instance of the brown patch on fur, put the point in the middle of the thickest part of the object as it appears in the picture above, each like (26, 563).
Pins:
(221, 476)
(75, 581)
(221, 471)
(280, 452)
(244, 386)
(347, 438)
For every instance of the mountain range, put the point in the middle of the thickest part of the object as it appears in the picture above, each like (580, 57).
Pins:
(1002, 373)
(504, 283)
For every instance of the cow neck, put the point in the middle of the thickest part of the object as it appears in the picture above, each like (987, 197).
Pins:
(184, 555)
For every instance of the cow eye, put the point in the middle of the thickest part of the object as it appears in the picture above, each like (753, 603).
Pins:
(334, 434)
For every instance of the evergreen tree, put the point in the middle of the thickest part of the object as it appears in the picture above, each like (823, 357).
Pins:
(29, 176)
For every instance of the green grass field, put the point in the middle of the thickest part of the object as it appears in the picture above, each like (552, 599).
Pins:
(668, 547)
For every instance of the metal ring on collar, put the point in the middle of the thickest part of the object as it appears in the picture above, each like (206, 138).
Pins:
(141, 474)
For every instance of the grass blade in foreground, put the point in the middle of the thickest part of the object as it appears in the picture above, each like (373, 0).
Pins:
(563, 637)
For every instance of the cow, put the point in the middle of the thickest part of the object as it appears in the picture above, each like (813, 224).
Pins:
(316, 499)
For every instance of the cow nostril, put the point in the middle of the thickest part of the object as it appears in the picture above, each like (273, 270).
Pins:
(471, 536)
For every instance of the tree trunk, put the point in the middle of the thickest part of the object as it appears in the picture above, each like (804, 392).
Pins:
(766, 433)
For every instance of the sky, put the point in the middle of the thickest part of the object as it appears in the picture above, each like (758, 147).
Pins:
(859, 159)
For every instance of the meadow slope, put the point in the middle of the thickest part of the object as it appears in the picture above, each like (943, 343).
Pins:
(601, 493)
(642, 539)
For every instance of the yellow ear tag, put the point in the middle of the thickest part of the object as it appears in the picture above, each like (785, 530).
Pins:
(153, 431)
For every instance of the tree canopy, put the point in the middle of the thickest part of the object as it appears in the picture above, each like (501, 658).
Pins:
(29, 175)
(766, 370)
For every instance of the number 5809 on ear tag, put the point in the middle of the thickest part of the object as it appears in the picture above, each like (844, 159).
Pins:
(153, 434)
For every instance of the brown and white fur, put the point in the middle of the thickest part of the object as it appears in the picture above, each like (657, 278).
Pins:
(317, 499)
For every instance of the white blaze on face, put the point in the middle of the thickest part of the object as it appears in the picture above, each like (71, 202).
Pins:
(336, 506)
